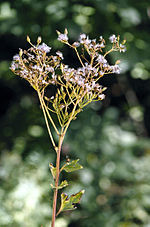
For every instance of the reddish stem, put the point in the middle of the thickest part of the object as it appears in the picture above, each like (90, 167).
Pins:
(57, 180)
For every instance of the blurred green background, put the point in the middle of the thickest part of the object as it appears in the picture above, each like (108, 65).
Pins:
(110, 138)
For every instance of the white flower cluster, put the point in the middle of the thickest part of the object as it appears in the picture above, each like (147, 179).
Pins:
(35, 66)
(41, 70)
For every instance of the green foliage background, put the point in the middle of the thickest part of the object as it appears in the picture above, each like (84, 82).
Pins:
(110, 138)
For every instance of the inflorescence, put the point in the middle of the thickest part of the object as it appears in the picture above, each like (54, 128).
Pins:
(75, 87)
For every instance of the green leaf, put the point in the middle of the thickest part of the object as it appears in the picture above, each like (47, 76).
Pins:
(72, 166)
(68, 203)
(53, 170)
(63, 184)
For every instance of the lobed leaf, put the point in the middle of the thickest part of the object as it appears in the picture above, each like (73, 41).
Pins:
(72, 166)
(68, 203)
(63, 184)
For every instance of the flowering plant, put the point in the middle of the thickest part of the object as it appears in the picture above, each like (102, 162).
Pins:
(74, 89)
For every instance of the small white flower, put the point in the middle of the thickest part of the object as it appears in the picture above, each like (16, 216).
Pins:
(102, 96)
(88, 87)
(113, 39)
(14, 66)
(83, 39)
(101, 73)
(44, 82)
(82, 36)
(50, 69)
(38, 68)
(76, 44)
(44, 47)
(122, 48)
(87, 41)
(101, 59)
(16, 57)
(102, 45)
(115, 69)
(93, 84)
(60, 54)
(63, 37)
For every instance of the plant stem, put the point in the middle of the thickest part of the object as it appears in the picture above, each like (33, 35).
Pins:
(79, 57)
(48, 128)
(61, 138)
(50, 118)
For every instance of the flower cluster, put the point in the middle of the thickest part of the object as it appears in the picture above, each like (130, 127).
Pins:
(74, 86)
(35, 66)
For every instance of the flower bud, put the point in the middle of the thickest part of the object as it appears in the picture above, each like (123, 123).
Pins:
(39, 40)
(20, 52)
(28, 39)
(66, 31)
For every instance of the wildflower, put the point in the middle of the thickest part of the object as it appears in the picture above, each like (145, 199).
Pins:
(113, 39)
(49, 69)
(115, 69)
(122, 48)
(60, 54)
(101, 73)
(101, 97)
(76, 44)
(82, 36)
(63, 37)
(100, 59)
(16, 57)
(84, 40)
(14, 66)
(102, 45)
(44, 47)
(44, 82)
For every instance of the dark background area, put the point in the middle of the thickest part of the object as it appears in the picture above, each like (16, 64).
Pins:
(111, 138)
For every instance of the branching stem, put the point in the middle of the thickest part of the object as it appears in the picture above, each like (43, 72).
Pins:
(46, 120)
(49, 116)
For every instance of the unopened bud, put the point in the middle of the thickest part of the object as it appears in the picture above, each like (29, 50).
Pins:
(117, 62)
(20, 52)
(124, 41)
(28, 39)
(66, 31)
(58, 32)
(39, 40)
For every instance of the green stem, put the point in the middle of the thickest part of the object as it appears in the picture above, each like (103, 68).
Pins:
(51, 120)
(79, 57)
(74, 108)
(48, 128)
